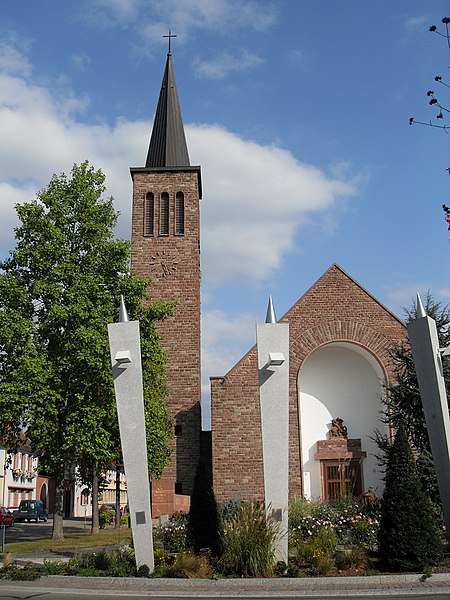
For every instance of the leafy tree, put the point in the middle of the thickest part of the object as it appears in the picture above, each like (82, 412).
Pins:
(204, 526)
(409, 538)
(59, 289)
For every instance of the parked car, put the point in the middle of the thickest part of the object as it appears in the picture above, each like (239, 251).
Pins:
(6, 517)
(30, 510)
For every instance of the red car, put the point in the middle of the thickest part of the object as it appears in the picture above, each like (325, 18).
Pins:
(6, 517)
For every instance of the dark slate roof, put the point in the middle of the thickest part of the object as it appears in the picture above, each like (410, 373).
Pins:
(168, 146)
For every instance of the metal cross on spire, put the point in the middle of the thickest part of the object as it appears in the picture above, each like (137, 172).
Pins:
(170, 36)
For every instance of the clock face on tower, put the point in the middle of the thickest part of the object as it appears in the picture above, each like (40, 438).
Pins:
(163, 264)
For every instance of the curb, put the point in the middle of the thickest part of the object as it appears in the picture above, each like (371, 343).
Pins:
(398, 584)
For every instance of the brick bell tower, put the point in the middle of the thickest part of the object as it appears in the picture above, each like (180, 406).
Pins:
(166, 247)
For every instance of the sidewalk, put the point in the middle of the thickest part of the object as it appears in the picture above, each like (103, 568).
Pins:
(404, 584)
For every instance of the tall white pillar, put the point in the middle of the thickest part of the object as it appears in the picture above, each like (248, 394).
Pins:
(125, 347)
(427, 360)
(273, 366)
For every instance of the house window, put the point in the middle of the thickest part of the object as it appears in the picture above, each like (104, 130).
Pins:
(149, 214)
(179, 214)
(178, 488)
(164, 214)
(341, 478)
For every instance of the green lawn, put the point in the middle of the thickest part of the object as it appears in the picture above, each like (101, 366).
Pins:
(82, 539)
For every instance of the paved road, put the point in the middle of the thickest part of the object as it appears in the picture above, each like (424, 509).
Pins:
(123, 589)
(20, 594)
(25, 532)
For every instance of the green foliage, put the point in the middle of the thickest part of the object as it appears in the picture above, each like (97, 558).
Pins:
(163, 560)
(172, 534)
(409, 537)
(59, 289)
(352, 557)
(204, 526)
(317, 551)
(18, 573)
(352, 521)
(54, 567)
(248, 542)
(299, 508)
(115, 563)
(105, 515)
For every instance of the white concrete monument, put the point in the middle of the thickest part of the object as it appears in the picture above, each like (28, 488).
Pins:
(125, 347)
(273, 366)
(427, 358)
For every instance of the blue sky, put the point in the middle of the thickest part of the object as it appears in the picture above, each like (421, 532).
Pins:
(297, 111)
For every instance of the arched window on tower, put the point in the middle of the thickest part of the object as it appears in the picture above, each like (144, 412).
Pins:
(149, 214)
(164, 214)
(179, 214)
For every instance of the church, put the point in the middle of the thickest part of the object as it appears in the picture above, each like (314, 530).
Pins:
(339, 365)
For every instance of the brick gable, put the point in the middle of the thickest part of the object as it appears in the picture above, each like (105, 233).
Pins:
(335, 309)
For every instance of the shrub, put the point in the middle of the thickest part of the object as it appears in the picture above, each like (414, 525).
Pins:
(54, 567)
(172, 534)
(351, 557)
(189, 566)
(105, 515)
(299, 508)
(248, 542)
(317, 551)
(116, 563)
(409, 537)
(322, 565)
(16, 573)
(353, 522)
(121, 563)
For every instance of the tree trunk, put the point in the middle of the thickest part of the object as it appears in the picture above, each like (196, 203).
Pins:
(94, 526)
(58, 516)
(118, 521)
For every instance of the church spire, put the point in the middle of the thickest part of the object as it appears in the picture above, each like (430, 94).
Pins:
(168, 146)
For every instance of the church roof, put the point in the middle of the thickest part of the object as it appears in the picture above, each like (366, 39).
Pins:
(168, 146)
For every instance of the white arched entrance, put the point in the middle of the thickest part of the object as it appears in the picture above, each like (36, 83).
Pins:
(343, 380)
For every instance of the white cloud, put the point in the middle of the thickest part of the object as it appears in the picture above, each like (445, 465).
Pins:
(414, 24)
(12, 61)
(223, 337)
(152, 17)
(298, 57)
(225, 63)
(102, 14)
(258, 196)
(81, 61)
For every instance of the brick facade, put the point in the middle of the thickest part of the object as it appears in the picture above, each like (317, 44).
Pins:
(172, 261)
(335, 309)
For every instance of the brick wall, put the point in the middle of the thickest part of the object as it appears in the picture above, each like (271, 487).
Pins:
(178, 279)
(335, 308)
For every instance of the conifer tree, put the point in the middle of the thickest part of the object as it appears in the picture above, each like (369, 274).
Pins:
(204, 528)
(409, 538)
